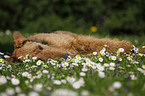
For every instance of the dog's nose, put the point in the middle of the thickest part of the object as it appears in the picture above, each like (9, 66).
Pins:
(66, 55)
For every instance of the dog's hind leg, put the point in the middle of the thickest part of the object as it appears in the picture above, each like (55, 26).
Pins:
(87, 44)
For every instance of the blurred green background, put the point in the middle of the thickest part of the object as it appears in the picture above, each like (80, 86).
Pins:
(109, 17)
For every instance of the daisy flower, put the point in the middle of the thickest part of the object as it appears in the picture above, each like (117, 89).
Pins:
(63, 65)
(98, 65)
(34, 58)
(121, 50)
(117, 85)
(63, 92)
(128, 65)
(6, 56)
(78, 57)
(131, 72)
(20, 57)
(133, 77)
(119, 59)
(140, 54)
(106, 46)
(32, 93)
(101, 68)
(87, 59)
(57, 82)
(29, 76)
(1, 53)
(26, 82)
(102, 52)
(15, 81)
(88, 64)
(143, 66)
(39, 62)
(21, 94)
(85, 93)
(81, 80)
(112, 64)
(70, 79)
(129, 58)
(48, 88)
(82, 74)
(76, 85)
(101, 74)
(93, 67)
(18, 90)
(25, 74)
(111, 68)
(3, 80)
(45, 71)
(66, 64)
(101, 59)
(10, 91)
(38, 87)
(113, 58)
(84, 69)
(106, 65)
(63, 81)
(94, 53)
(1, 60)
(139, 69)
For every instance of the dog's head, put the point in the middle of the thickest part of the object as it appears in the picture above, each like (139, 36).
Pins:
(19, 40)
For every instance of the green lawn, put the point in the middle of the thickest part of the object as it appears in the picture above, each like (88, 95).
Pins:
(101, 74)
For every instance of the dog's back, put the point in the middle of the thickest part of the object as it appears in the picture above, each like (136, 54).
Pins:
(55, 40)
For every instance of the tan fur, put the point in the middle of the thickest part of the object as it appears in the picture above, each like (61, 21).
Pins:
(59, 43)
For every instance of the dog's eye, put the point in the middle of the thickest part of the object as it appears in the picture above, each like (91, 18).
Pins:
(24, 42)
(40, 47)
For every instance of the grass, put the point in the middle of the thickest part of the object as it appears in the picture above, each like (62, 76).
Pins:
(120, 75)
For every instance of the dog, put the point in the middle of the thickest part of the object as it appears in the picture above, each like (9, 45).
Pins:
(63, 44)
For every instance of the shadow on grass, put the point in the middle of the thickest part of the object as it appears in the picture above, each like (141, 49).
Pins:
(7, 48)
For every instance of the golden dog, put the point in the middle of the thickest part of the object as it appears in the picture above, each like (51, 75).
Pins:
(63, 44)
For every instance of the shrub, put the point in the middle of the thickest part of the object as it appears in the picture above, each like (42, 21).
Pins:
(114, 17)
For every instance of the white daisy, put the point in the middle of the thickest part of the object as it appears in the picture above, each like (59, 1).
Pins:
(94, 53)
(101, 59)
(121, 50)
(32, 93)
(76, 85)
(112, 64)
(57, 82)
(45, 71)
(10, 91)
(39, 62)
(3, 80)
(117, 85)
(15, 81)
(82, 74)
(101, 74)
(38, 87)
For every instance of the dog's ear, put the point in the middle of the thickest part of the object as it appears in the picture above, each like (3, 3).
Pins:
(19, 40)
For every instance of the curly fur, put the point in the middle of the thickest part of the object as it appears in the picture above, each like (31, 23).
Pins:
(62, 43)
